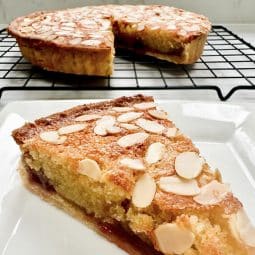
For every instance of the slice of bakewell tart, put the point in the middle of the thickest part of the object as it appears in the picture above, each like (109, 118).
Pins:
(125, 169)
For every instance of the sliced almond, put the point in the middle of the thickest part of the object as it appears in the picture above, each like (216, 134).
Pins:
(171, 27)
(242, 228)
(92, 42)
(52, 137)
(87, 117)
(170, 132)
(234, 229)
(188, 165)
(122, 109)
(144, 191)
(128, 126)
(49, 136)
(178, 186)
(90, 168)
(150, 126)
(158, 114)
(145, 106)
(136, 164)
(75, 41)
(155, 152)
(113, 130)
(172, 239)
(154, 27)
(106, 121)
(129, 116)
(212, 193)
(71, 128)
(100, 130)
(70, 24)
(140, 27)
(132, 139)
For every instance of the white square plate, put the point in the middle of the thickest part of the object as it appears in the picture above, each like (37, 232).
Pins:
(225, 134)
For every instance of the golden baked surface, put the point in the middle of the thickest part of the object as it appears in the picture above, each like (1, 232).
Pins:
(161, 31)
(125, 161)
(91, 26)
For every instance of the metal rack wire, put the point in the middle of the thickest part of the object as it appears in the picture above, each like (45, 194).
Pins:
(226, 66)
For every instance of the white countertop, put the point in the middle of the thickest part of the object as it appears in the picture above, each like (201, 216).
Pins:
(245, 31)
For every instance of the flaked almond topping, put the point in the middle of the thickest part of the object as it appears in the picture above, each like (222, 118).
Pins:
(188, 165)
(154, 27)
(100, 130)
(64, 33)
(129, 116)
(158, 114)
(51, 37)
(132, 139)
(27, 21)
(182, 32)
(90, 168)
(140, 27)
(88, 117)
(92, 42)
(171, 27)
(192, 28)
(67, 29)
(234, 228)
(113, 129)
(27, 30)
(173, 239)
(70, 24)
(106, 121)
(212, 193)
(71, 128)
(47, 35)
(131, 20)
(176, 185)
(243, 228)
(128, 126)
(150, 126)
(52, 137)
(136, 164)
(122, 109)
(145, 106)
(144, 191)
(155, 152)
(170, 132)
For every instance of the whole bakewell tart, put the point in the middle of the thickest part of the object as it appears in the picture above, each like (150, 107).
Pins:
(126, 170)
(81, 40)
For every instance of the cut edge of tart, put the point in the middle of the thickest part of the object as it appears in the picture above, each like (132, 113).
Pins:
(81, 40)
(113, 233)
(148, 182)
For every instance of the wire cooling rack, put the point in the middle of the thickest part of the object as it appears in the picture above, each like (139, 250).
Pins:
(226, 66)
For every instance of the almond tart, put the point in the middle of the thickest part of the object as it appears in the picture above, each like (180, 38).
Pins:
(123, 168)
(81, 40)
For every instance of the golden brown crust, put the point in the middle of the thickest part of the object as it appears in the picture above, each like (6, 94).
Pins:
(84, 36)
